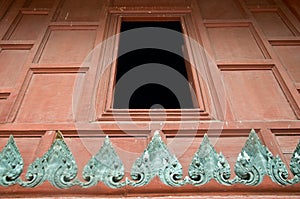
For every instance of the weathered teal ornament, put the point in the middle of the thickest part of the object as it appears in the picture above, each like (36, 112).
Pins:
(207, 164)
(255, 161)
(277, 170)
(106, 167)
(251, 165)
(156, 161)
(295, 165)
(57, 166)
(11, 163)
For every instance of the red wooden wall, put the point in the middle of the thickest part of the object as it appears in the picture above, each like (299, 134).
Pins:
(255, 45)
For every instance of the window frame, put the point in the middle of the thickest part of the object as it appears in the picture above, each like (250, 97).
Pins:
(104, 102)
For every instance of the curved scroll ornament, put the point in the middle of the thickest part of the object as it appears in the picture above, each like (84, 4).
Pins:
(105, 166)
(251, 165)
(207, 164)
(156, 161)
(295, 165)
(11, 163)
(57, 166)
(277, 170)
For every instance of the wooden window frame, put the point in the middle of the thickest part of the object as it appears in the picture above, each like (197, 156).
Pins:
(105, 91)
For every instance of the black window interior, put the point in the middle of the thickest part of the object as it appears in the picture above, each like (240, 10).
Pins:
(152, 94)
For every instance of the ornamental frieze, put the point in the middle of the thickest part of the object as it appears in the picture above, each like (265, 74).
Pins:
(58, 166)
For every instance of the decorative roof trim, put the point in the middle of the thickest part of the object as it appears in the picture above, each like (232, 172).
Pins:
(58, 166)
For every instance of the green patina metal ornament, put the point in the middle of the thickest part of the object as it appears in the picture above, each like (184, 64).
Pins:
(255, 161)
(277, 170)
(11, 163)
(156, 161)
(251, 164)
(295, 165)
(207, 164)
(105, 166)
(57, 165)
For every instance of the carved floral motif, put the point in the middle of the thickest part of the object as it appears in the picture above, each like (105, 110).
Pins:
(58, 166)
(106, 167)
(156, 161)
(207, 164)
(11, 163)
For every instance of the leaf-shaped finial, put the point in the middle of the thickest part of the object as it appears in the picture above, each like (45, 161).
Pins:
(105, 166)
(251, 164)
(207, 164)
(11, 163)
(57, 166)
(156, 161)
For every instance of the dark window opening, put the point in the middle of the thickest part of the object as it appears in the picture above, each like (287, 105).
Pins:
(163, 98)
(151, 77)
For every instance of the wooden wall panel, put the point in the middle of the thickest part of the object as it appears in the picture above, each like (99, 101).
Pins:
(67, 46)
(234, 43)
(287, 144)
(153, 3)
(4, 6)
(294, 6)
(273, 23)
(2, 105)
(79, 10)
(226, 9)
(129, 149)
(259, 2)
(48, 99)
(256, 95)
(289, 55)
(39, 3)
(11, 64)
(27, 27)
(4, 95)
(8, 11)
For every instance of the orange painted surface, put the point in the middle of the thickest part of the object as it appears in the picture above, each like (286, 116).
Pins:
(49, 81)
